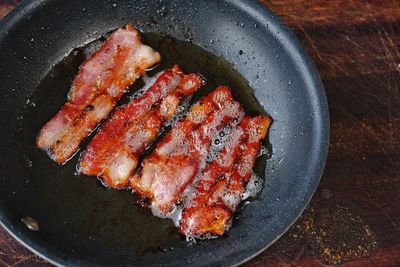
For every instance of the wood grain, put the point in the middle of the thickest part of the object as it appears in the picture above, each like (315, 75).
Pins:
(354, 217)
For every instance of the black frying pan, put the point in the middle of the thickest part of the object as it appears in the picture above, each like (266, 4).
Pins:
(238, 43)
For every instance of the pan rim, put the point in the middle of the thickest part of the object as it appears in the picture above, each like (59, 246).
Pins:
(308, 71)
(293, 45)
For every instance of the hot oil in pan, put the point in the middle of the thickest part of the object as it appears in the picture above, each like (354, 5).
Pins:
(79, 205)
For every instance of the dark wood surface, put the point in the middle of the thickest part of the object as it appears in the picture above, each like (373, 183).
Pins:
(354, 217)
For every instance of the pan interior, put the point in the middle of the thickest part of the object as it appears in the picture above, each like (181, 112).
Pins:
(91, 214)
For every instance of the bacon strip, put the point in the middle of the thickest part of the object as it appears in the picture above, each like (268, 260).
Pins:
(111, 69)
(70, 139)
(171, 168)
(104, 75)
(113, 153)
(223, 181)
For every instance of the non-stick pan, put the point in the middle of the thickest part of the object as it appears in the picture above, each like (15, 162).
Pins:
(237, 43)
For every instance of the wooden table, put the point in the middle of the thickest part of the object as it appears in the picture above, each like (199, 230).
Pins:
(354, 217)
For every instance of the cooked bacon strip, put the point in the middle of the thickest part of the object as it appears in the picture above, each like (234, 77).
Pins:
(108, 72)
(114, 67)
(173, 165)
(112, 154)
(197, 214)
(223, 182)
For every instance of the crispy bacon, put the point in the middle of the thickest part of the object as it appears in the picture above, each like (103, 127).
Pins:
(112, 154)
(223, 181)
(171, 168)
(173, 140)
(103, 77)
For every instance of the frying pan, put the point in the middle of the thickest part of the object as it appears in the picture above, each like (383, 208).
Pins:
(81, 223)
